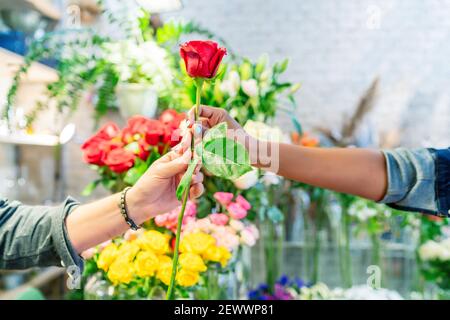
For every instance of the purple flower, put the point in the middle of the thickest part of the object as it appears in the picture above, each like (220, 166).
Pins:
(281, 293)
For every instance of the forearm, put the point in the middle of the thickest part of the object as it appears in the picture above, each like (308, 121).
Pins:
(99, 221)
(360, 172)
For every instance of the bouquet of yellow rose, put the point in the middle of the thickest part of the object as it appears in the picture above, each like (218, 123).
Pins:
(144, 261)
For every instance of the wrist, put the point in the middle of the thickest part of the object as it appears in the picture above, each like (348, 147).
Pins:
(139, 208)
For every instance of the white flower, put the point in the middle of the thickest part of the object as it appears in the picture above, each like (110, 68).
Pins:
(204, 224)
(247, 238)
(236, 224)
(231, 84)
(254, 230)
(250, 87)
(247, 180)
(432, 250)
(144, 62)
(362, 211)
(264, 132)
(364, 292)
(270, 178)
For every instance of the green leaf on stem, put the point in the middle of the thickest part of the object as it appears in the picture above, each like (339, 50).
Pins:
(224, 157)
(218, 131)
(185, 182)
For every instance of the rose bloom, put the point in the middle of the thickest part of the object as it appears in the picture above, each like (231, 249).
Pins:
(96, 148)
(236, 224)
(247, 238)
(224, 198)
(119, 160)
(108, 131)
(236, 211)
(141, 127)
(220, 219)
(243, 202)
(202, 58)
(172, 118)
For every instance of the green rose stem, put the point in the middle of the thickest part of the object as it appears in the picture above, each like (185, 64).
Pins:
(170, 290)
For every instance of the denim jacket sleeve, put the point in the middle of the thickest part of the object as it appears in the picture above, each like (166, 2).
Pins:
(35, 236)
(419, 180)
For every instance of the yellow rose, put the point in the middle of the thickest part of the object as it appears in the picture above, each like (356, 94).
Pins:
(164, 273)
(217, 254)
(213, 253)
(128, 250)
(107, 256)
(154, 241)
(192, 262)
(121, 271)
(196, 243)
(225, 256)
(164, 260)
(187, 278)
(146, 264)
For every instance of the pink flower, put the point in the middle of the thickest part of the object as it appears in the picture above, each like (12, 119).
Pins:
(191, 209)
(220, 219)
(161, 220)
(169, 220)
(226, 239)
(224, 198)
(236, 211)
(243, 202)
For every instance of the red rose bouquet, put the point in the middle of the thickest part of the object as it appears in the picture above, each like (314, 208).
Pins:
(121, 156)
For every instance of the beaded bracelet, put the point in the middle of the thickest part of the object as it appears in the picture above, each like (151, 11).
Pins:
(124, 210)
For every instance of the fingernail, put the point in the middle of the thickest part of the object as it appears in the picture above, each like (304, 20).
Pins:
(198, 129)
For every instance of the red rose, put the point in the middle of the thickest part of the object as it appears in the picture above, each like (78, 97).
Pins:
(144, 149)
(154, 133)
(108, 131)
(139, 126)
(92, 153)
(172, 118)
(95, 147)
(202, 58)
(119, 160)
(171, 136)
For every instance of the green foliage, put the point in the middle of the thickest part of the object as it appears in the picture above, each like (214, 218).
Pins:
(223, 157)
(133, 175)
(77, 68)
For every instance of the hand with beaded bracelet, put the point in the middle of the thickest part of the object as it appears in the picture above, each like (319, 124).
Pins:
(153, 194)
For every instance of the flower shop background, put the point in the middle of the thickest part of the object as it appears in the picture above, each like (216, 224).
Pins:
(337, 50)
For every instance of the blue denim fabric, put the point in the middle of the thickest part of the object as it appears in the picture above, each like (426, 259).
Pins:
(418, 180)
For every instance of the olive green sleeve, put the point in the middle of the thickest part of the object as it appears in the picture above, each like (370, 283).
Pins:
(35, 236)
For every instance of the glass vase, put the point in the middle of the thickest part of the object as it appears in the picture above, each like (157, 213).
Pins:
(272, 238)
(217, 284)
